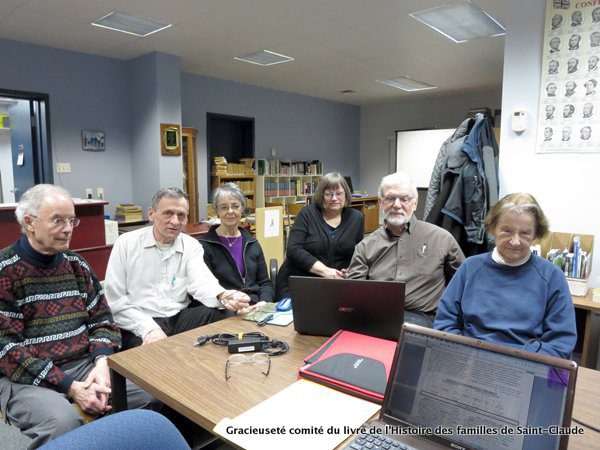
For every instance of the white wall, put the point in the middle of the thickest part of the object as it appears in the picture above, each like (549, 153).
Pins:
(566, 185)
(379, 122)
(6, 170)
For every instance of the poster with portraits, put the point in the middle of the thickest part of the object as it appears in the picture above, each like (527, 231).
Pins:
(569, 114)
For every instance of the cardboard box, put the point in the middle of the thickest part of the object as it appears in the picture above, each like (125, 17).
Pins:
(559, 240)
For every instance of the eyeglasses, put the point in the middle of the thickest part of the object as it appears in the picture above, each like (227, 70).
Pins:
(239, 359)
(328, 194)
(225, 208)
(168, 215)
(391, 199)
(72, 221)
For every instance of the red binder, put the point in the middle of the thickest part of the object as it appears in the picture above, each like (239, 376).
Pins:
(353, 363)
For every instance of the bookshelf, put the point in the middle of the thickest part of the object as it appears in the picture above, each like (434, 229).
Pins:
(245, 182)
(286, 182)
(284, 189)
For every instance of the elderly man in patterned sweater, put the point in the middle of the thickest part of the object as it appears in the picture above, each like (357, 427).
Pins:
(56, 329)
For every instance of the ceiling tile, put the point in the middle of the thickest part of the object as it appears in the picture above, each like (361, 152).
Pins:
(337, 44)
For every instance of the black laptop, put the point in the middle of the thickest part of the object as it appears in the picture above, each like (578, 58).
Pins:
(323, 306)
(452, 392)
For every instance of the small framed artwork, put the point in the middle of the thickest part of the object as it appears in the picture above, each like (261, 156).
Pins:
(170, 139)
(93, 140)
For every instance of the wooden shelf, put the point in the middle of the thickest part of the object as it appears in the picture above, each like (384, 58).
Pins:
(234, 177)
(248, 190)
(261, 188)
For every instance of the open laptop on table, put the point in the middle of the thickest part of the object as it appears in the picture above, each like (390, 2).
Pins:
(485, 396)
(323, 306)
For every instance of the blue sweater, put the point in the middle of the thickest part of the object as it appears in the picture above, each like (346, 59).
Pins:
(510, 305)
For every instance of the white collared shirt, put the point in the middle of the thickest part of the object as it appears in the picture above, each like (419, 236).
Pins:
(143, 282)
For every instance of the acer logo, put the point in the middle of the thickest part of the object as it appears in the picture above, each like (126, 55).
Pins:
(357, 362)
(345, 309)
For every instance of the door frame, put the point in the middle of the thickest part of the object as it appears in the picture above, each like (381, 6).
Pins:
(41, 139)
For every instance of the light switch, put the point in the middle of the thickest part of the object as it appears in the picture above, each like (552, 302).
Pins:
(63, 167)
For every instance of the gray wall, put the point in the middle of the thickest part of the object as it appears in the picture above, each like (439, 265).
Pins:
(380, 121)
(299, 127)
(566, 185)
(127, 99)
(86, 92)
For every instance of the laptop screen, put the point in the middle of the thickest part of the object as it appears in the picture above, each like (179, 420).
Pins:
(484, 399)
(322, 306)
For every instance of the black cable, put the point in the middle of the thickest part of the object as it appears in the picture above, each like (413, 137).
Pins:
(587, 425)
(280, 346)
(224, 338)
(268, 346)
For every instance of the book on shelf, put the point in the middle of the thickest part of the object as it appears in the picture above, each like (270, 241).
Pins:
(574, 264)
(275, 167)
(127, 212)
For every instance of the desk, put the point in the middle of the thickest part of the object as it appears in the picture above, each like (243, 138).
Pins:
(89, 233)
(591, 334)
(369, 207)
(192, 379)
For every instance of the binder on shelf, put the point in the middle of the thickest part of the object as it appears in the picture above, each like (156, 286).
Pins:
(572, 253)
(127, 212)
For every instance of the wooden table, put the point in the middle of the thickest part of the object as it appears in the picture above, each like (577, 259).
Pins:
(591, 333)
(191, 379)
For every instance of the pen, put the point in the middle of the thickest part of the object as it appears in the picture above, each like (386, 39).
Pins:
(262, 322)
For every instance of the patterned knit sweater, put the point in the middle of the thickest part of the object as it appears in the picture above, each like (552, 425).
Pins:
(52, 310)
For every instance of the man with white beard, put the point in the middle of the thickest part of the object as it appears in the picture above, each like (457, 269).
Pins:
(420, 254)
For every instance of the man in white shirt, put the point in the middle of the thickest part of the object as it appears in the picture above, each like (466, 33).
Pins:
(152, 270)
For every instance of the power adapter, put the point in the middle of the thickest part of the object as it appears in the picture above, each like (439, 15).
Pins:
(246, 344)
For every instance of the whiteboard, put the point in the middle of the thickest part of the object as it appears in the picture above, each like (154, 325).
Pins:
(416, 152)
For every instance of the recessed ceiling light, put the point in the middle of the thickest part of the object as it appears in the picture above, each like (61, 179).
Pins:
(264, 58)
(460, 22)
(406, 84)
(130, 23)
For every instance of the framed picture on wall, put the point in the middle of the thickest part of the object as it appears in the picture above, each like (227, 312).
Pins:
(93, 140)
(170, 139)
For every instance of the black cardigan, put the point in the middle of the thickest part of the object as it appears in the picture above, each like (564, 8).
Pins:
(309, 243)
(222, 265)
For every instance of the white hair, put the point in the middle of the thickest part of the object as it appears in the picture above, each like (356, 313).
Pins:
(398, 178)
(32, 199)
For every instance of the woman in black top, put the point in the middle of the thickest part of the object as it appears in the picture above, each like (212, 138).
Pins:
(232, 254)
(322, 239)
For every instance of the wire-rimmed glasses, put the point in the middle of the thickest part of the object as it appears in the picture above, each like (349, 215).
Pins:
(239, 359)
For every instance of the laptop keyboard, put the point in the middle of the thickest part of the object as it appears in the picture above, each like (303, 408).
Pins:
(368, 441)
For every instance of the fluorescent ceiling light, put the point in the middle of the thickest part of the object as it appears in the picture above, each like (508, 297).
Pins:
(406, 84)
(264, 58)
(130, 23)
(460, 22)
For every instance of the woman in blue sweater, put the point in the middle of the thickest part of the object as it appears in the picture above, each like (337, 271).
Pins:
(510, 296)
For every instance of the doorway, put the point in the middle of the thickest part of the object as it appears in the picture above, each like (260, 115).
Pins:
(25, 149)
(228, 136)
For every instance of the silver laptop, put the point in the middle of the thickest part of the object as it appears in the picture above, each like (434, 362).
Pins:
(449, 391)
(323, 306)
